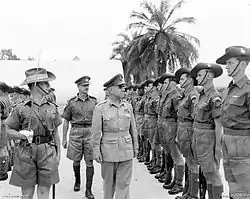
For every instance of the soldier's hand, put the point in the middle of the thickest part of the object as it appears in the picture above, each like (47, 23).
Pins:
(218, 153)
(64, 144)
(98, 158)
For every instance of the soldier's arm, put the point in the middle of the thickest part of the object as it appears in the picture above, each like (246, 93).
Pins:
(216, 111)
(96, 129)
(133, 132)
(65, 128)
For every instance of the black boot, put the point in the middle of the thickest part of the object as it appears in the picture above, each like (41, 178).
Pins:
(217, 192)
(89, 179)
(186, 185)
(169, 184)
(178, 187)
(186, 194)
(77, 185)
(147, 161)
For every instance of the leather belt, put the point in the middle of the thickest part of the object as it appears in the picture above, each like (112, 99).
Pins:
(41, 139)
(81, 125)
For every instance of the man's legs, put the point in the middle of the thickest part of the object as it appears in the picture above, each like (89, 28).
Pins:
(89, 179)
(109, 179)
(76, 168)
(123, 179)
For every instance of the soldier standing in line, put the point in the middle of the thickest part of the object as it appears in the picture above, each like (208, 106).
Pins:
(207, 127)
(169, 114)
(36, 163)
(139, 119)
(236, 122)
(150, 120)
(5, 156)
(79, 112)
(185, 130)
(157, 167)
(167, 159)
(115, 140)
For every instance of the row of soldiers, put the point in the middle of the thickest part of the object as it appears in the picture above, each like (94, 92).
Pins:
(10, 97)
(181, 117)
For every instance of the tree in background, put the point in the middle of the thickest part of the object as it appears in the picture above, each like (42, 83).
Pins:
(7, 54)
(160, 46)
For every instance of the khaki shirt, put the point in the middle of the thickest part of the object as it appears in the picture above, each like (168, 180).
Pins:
(186, 105)
(80, 111)
(236, 105)
(150, 106)
(171, 104)
(114, 131)
(22, 117)
(208, 108)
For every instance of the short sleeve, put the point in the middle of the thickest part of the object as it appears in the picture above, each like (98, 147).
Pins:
(216, 107)
(67, 112)
(13, 120)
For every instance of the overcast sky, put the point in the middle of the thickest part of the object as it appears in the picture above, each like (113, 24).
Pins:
(66, 28)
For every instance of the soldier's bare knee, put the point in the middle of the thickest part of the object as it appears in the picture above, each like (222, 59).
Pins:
(89, 163)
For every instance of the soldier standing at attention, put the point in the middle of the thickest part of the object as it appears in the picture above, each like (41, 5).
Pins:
(169, 113)
(207, 127)
(115, 140)
(36, 163)
(185, 130)
(235, 120)
(79, 112)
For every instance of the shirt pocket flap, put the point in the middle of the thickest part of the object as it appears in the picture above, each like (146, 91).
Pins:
(237, 100)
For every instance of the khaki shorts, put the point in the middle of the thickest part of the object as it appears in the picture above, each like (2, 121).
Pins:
(169, 140)
(203, 145)
(184, 140)
(35, 165)
(236, 159)
(139, 123)
(80, 144)
(159, 132)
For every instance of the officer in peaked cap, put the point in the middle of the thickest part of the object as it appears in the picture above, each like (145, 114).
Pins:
(207, 127)
(114, 139)
(235, 121)
(79, 112)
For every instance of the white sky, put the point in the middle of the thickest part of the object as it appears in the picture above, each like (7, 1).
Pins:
(65, 28)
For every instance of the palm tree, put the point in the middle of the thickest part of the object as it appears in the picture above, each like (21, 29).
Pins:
(127, 52)
(161, 41)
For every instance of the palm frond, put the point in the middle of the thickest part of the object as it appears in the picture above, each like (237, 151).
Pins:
(177, 6)
(164, 7)
(125, 37)
(183, 20)
(139, 15)
(149, 7)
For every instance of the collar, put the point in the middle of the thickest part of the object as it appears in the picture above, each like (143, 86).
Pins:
(171, 93)
(29, 100)
(79, 98)
(110, 103)
(241, 82)
(209, 90)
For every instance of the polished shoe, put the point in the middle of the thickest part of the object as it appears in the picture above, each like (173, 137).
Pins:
(169, 186)
(176, 189)
(89, 194)
(163, 178)
(159, 175)
(4, 177)
(141, 160)
(169, 178)
(156, 169)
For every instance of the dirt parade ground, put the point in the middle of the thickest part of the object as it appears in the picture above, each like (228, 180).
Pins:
(143, 185)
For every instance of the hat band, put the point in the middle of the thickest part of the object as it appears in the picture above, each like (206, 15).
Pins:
(36, 77)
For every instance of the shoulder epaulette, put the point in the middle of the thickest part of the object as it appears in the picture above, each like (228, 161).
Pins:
(102, 102)
(71, 99)
(92, 97)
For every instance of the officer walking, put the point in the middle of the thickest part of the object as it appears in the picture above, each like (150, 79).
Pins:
(78, 112)
(36, 163)
(207, 133)
(115, 140)
(236, 122)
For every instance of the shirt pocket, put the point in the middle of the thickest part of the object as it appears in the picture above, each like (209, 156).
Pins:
(203, 111)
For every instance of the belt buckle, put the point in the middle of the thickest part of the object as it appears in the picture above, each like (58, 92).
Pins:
(38, 140)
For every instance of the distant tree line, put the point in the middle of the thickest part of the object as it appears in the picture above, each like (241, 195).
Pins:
(7, 54)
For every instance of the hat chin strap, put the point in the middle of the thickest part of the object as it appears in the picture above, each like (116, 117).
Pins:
(42, 89)
(235, 68)
(203, 78)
